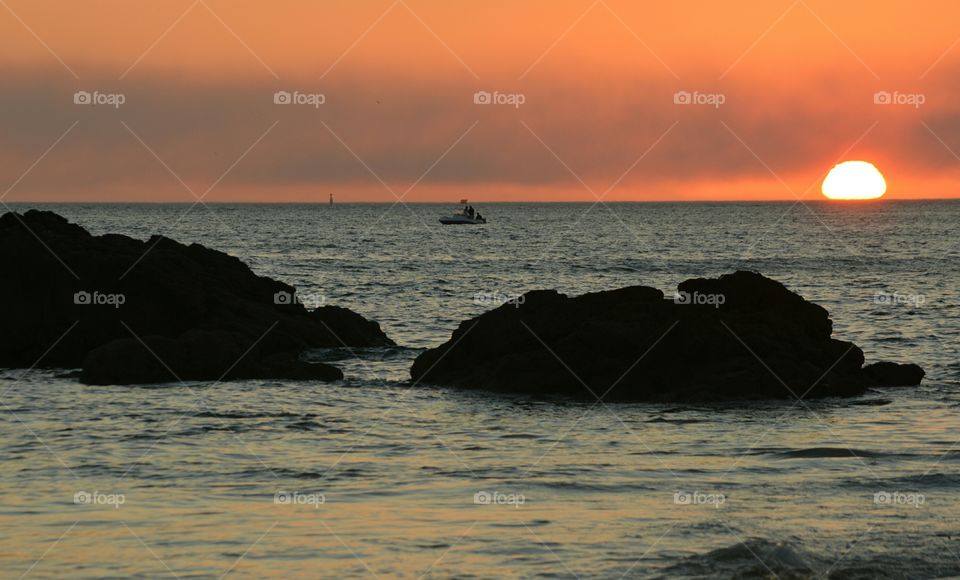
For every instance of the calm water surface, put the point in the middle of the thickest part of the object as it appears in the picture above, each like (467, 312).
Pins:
(378, 478)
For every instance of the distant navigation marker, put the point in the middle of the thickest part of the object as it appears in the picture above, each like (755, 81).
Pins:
(331, 200)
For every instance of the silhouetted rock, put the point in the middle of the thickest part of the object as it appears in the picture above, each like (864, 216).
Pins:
(69, 299)
(890, 374)
(196, 355)
(741, 336)
(349, 327)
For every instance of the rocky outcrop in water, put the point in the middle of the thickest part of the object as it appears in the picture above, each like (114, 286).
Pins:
(129, 311)
(740, 336)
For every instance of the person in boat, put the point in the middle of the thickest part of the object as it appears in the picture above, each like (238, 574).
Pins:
(479, 217)
(470, 211)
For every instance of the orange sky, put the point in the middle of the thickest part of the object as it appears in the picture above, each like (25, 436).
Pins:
(797, 80)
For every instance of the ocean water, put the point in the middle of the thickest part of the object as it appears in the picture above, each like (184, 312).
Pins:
(380, 478)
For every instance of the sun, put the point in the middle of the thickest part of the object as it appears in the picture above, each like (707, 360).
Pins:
(854, 180)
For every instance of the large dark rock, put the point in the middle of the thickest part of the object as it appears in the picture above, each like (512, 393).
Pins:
(130, 311)
(741, 336)
(894, 375)
(197, 355)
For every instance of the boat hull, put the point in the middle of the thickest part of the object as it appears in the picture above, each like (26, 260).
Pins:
(461, 220)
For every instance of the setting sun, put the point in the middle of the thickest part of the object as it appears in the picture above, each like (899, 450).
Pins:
(854, 180)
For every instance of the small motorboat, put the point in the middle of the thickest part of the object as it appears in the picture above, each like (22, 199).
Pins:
(467, 216)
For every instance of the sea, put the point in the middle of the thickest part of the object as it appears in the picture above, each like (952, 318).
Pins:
(375, 476)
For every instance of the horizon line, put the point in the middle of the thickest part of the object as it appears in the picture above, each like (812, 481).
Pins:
(499, 201)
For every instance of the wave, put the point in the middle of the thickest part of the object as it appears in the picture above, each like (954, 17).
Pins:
(764, 558)
(870, 403)
(828, 453)
(675, 421)
(375, 353)
(754, 558)
(331, 474)
(246, 415)
(915, 482)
